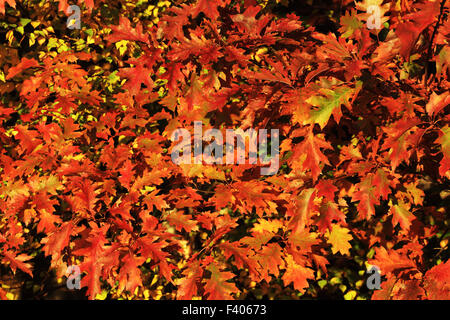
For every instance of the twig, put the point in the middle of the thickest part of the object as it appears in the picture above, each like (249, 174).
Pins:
(430, 46)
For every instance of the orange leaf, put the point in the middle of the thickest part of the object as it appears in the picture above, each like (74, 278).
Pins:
(297, 274)
(217, 286)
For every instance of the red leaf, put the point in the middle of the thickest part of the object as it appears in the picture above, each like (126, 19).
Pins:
(391, 261)
(437, 103)
(99, 259)
(87, 196)
(311, 147)
(24, 64)
(437, 282)
(28, 138)
(57, 241)
(124, 31)
(181, 221)
(130, 274)
(402, 216)
(209, 8)
(329, 212)
(187, 286)
(409, 31)
(18, 261)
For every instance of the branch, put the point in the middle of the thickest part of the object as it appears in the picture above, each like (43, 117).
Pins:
(430, 47)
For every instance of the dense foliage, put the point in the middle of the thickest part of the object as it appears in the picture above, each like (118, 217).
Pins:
(87, 179)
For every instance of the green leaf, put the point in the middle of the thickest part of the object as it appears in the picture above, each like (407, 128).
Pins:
(350, 24)
(24, 21)
(328, 103)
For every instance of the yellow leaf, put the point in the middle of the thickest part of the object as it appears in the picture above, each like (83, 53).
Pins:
(339, 239)
(101, 296)
(351, 295)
